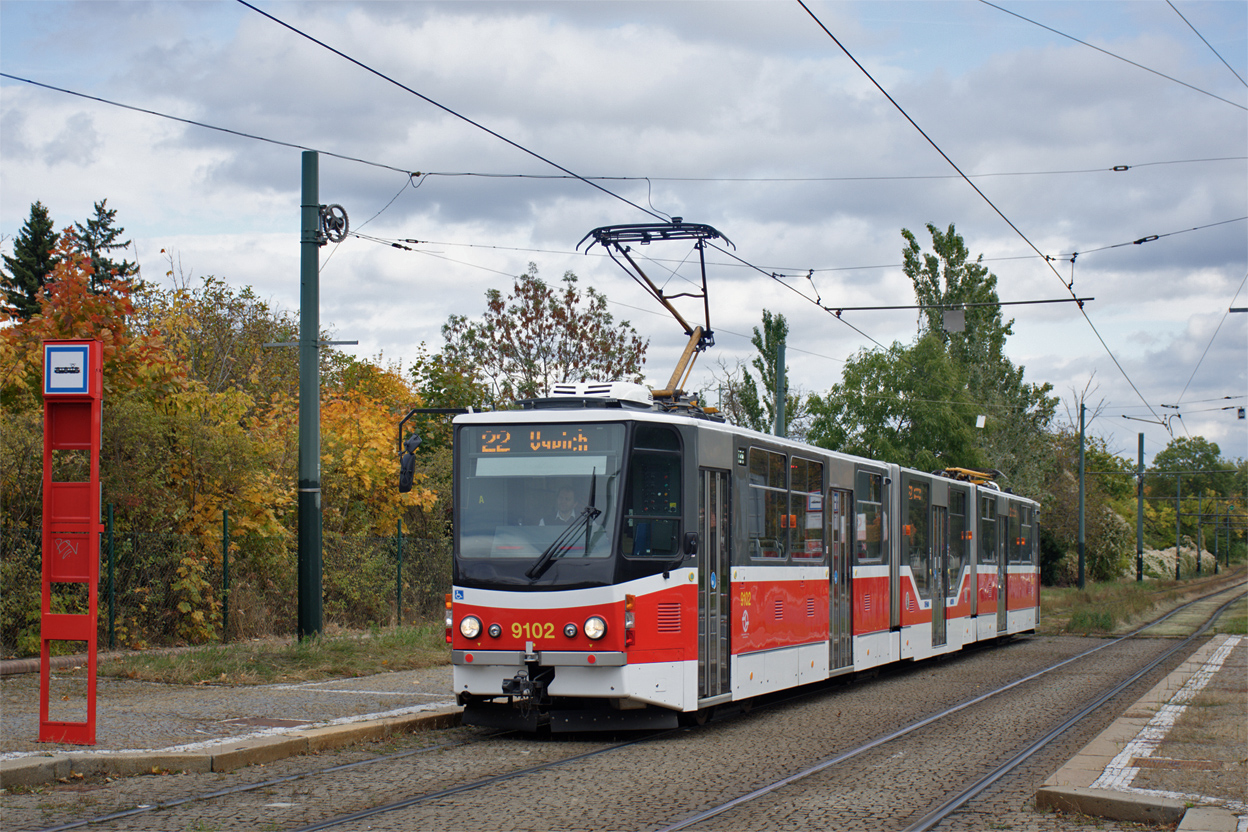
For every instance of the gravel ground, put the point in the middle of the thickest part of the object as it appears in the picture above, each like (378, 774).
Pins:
(668, 778)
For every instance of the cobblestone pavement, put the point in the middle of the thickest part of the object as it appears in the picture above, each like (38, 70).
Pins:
(670, 777)
(143, 715)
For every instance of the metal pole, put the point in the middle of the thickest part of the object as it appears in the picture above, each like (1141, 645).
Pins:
(1178, 526)
(310, 596)
(1200, 528)
(225, 575)
(398, 584)
(781, 393)
(112, 587)
(1217, 539)
(1139, 515)
(1082, 539)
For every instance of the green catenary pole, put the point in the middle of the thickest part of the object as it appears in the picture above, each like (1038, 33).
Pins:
(1139, 515)
(310, 600)
(1178, 526)
(1082, 538)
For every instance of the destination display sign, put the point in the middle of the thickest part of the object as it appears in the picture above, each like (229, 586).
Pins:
(545, 439)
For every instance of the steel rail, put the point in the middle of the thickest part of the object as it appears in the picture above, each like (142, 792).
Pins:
(921, 723)
(476, 784)
(264, 784)
(953, 804)
(484, 782)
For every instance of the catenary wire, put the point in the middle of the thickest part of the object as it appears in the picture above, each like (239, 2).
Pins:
(982, 195)
(410, 174)
(1112, 55)
(1207, 43)
(874, 178)
(192, 122)
(448, 110)
(1211, 338)
(422, 176)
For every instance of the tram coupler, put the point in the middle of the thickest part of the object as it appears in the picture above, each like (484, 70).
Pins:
(524, 686)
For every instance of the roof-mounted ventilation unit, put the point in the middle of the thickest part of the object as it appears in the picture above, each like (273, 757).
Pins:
(620, 390)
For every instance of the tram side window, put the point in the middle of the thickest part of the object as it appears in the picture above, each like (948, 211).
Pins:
(958, 542)
(987, 530)
(767, 517)
(652, 502)
(806, 508)
(915, 532)
(1014, 544)
(1026, 549)
(870, 518)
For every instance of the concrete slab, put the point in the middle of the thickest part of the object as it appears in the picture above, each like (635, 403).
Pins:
(263, 750)
(1107, 763)
(1204, 819)
(33, 771)
(1112, 805)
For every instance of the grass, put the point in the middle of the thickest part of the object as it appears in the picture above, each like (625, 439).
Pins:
(1234, 621)
(1108, 607)
(280, 660)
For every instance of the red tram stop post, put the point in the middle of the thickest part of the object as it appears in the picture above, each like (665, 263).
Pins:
(72, 395)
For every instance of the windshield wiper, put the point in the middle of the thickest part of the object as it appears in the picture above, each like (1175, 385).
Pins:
(561, 544)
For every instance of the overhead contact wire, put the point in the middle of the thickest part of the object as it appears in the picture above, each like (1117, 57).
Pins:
(1112, 55)
(982, 195)
(449, 111)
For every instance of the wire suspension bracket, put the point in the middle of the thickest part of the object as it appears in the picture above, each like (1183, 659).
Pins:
(334, 224)
(616, 239)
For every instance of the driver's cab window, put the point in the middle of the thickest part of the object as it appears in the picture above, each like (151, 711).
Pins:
(652, 511)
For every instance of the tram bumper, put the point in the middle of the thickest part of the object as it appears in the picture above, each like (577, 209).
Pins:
(594, 716)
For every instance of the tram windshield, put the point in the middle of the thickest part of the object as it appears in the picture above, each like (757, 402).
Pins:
(532, 497)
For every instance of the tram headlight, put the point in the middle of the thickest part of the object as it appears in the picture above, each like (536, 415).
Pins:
(595, 627)
(570, 630)
(470, 626)
(495, 630)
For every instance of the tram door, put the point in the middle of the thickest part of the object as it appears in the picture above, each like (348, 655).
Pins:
(840, 612)
(940, 571)
(714, 552)
(1003, 534)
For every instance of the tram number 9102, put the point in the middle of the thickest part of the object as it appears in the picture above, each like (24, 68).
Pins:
(532, 631)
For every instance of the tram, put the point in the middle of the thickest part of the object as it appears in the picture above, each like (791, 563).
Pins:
(620, 562)
(623, 557)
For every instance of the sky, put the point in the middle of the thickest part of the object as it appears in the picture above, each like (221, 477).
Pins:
(1085, 126)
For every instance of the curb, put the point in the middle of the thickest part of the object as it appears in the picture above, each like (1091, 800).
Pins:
(1069, 788)
(37, 771)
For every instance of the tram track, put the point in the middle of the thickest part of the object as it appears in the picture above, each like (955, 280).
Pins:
(948, 807)
(511, 752)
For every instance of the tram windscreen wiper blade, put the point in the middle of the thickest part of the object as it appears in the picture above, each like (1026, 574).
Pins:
(567, 537)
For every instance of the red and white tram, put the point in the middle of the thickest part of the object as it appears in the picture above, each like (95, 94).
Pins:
(703, 563)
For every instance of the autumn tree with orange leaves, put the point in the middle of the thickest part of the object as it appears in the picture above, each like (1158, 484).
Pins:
(199, 419)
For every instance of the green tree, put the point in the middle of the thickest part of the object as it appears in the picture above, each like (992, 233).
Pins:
(1192, 454)
(749, 399)
(97, 239)
(920, 405)
(1109, 540)
(905, 405)
(538, 336)
(1017, 414)
(31, 264)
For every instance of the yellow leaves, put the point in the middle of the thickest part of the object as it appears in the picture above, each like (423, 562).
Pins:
(359, 453)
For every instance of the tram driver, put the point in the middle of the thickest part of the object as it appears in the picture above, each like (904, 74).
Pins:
(565, 508)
